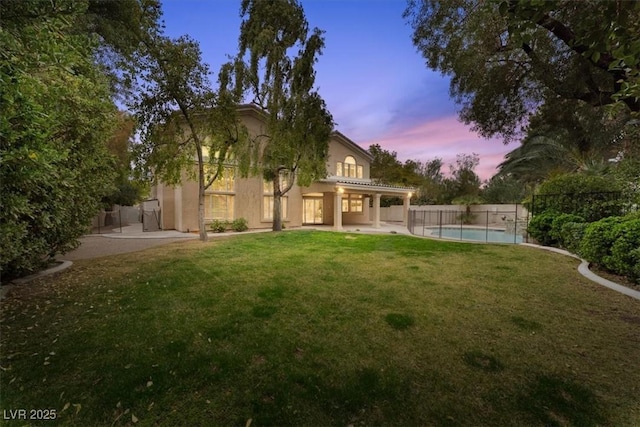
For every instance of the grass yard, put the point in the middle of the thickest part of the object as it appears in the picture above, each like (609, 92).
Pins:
(319, 328)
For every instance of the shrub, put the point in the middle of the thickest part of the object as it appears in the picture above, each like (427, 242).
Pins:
(218, 226)
(239, 224)
(558, 222)
(625, 250)
(598, 239)
(540, 228)
(571, 235)
(587, 196)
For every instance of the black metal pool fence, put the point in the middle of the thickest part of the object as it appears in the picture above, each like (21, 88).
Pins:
(481, 225)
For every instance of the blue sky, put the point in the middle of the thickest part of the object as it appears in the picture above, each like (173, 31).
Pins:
(374, 82)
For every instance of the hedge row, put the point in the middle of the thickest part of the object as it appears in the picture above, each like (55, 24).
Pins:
(612, 243)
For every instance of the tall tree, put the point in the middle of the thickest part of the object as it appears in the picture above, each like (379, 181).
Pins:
(298, 124)
(506, 58)
(466, 181)
(129, 191)
(504, 189)
(188, 130)
(565, 140)
(425, 177)
(56, 117)
(385, 166)
(119, 26)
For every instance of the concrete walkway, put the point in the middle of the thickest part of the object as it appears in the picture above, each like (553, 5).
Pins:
(134, 231)
(133, 239)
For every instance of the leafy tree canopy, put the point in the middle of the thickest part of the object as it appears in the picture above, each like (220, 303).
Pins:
(129, 191)
(188, 129)
(283, 85)
(55, 119)
(508, 58)
(504, 189)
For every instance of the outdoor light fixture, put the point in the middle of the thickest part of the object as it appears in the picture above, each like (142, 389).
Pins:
(340, 190)
(410, 194)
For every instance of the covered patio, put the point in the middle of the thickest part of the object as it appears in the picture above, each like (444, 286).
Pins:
(340, 202)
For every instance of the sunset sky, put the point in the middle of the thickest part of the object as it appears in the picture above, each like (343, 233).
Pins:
(375, 83)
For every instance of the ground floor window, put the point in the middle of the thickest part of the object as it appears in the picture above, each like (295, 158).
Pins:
(267, 204)
(352, 203)
(218, 206)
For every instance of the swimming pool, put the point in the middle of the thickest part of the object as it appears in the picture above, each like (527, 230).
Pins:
(475, 234)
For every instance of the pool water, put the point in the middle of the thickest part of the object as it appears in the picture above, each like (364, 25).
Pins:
(476, 234)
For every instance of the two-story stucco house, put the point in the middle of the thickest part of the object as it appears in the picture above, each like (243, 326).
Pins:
(346, 196)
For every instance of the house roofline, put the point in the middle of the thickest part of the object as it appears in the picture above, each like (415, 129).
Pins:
(258, 113)
(341, 138)
(368, 185)
(252, 110)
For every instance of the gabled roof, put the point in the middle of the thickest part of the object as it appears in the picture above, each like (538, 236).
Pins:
(252, 110)
(341, 138)
(255, 111)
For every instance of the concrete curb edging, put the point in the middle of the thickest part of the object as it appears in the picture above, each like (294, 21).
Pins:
(4, 290)
(583, 269)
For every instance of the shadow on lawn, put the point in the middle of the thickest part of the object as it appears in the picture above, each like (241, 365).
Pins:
(555, 401)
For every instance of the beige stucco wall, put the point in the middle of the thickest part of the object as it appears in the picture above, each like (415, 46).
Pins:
(328, 201)
(166, 198)
(337, 153)
(249, 203)
(188, 221)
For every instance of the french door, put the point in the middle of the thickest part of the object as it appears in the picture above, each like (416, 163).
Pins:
(313, 210)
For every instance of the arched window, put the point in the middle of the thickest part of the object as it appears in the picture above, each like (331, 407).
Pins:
(350, 167)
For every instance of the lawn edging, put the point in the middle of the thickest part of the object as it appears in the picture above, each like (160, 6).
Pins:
(5, 289)
(583, 269)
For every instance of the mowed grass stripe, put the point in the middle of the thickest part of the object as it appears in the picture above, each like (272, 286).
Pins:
(317, 328)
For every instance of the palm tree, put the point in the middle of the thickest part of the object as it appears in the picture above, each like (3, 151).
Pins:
(542, 156)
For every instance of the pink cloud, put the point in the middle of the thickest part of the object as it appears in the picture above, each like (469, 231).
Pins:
(444, 138)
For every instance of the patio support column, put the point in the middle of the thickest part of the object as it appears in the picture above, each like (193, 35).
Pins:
(337, 210)
(405, 210)
(376, 210)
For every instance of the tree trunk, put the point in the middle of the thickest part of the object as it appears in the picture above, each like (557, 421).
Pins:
(277, 204)
(201, 227)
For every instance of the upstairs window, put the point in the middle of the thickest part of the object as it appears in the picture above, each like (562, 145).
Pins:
(349, 168)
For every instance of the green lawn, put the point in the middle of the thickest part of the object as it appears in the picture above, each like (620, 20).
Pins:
(319, 328)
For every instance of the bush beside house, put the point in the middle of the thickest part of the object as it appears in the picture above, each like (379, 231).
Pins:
(238, 225)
